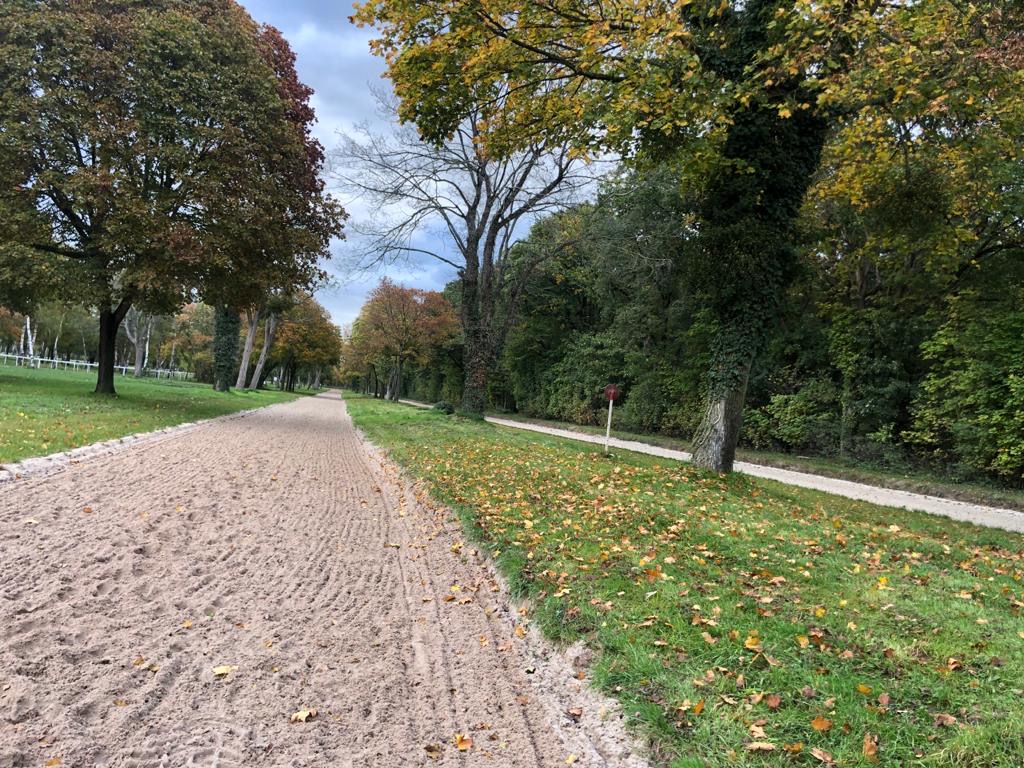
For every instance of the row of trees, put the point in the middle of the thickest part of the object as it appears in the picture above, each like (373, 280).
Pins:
(298, 342)
(754, 109)
(154, 154)
(399, 330)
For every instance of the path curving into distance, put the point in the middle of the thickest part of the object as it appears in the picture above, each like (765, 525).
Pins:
(175, 603)
(990, 517)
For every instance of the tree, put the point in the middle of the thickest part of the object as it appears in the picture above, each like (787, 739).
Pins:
(402, 325)
(306, 343)
(127, 129)
(479, 203)
(279, 228)
(747, 92)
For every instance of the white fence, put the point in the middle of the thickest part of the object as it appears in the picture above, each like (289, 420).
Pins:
(83, 365)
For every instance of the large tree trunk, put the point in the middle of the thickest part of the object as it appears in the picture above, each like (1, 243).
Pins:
(225, 347)
(269, 329)
(477, 355)
(714, 442)
(110, 321)
(252, 317)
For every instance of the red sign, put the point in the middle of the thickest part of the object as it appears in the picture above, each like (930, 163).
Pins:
(611, 392)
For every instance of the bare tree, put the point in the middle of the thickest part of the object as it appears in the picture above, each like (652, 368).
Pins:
(479, 203)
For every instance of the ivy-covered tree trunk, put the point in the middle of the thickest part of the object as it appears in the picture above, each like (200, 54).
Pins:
(476, 354)
(747, 257)
(225, 347)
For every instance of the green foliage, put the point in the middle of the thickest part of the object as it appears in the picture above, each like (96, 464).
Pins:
(444, 407)
(970, 413)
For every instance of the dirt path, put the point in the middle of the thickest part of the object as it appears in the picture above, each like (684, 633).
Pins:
(991, 517)
(278, 550)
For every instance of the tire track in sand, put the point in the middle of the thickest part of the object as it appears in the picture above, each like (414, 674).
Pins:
(279, 545)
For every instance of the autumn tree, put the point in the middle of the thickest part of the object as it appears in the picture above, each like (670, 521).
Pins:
(402, 325)
(278, 228)
(126, 128)
(478, 202)
(307, 343)
(748, 93)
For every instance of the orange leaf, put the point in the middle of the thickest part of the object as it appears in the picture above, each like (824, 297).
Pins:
(821, 724)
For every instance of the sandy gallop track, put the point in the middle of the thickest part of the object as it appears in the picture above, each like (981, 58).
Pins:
(277, 546)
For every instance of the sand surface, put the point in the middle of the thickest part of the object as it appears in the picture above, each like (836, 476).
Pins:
(175, 603)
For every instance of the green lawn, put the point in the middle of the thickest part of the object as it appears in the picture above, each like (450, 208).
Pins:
(915, 481)
(742, 622)
(44, 411)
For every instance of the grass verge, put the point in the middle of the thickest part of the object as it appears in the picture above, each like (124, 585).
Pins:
(743, 622)
(44, 411)
(917, 481)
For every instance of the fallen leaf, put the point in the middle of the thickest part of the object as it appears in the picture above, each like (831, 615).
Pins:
(821, 724)
(52, 761)
(794, 749)
(223, 669)
(870, 748)
(433, 751)
(698, 707)
(708, 638)
(823, 756)
(571, 759)
(944, 721)
(760, 746)
(865, 689)
(302, 715)
(186, 624)
(773, 701)
(520, 631)
(463, 742)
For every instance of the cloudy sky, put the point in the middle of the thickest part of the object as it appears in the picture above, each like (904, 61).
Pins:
(334, 59)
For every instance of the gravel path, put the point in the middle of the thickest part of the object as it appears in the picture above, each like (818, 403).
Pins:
(174, 604)
(990, 517)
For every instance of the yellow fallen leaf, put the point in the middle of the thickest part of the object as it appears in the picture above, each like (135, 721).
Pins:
(865, 689)
(571, 759)
(520, 632)
(223, 669)
(52, 761)
(302, 715)
(186, 624)
(463, 742)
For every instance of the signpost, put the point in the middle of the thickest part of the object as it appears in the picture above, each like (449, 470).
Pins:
(611, 394)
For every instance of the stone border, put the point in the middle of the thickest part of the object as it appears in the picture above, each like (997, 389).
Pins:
(41, 466)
